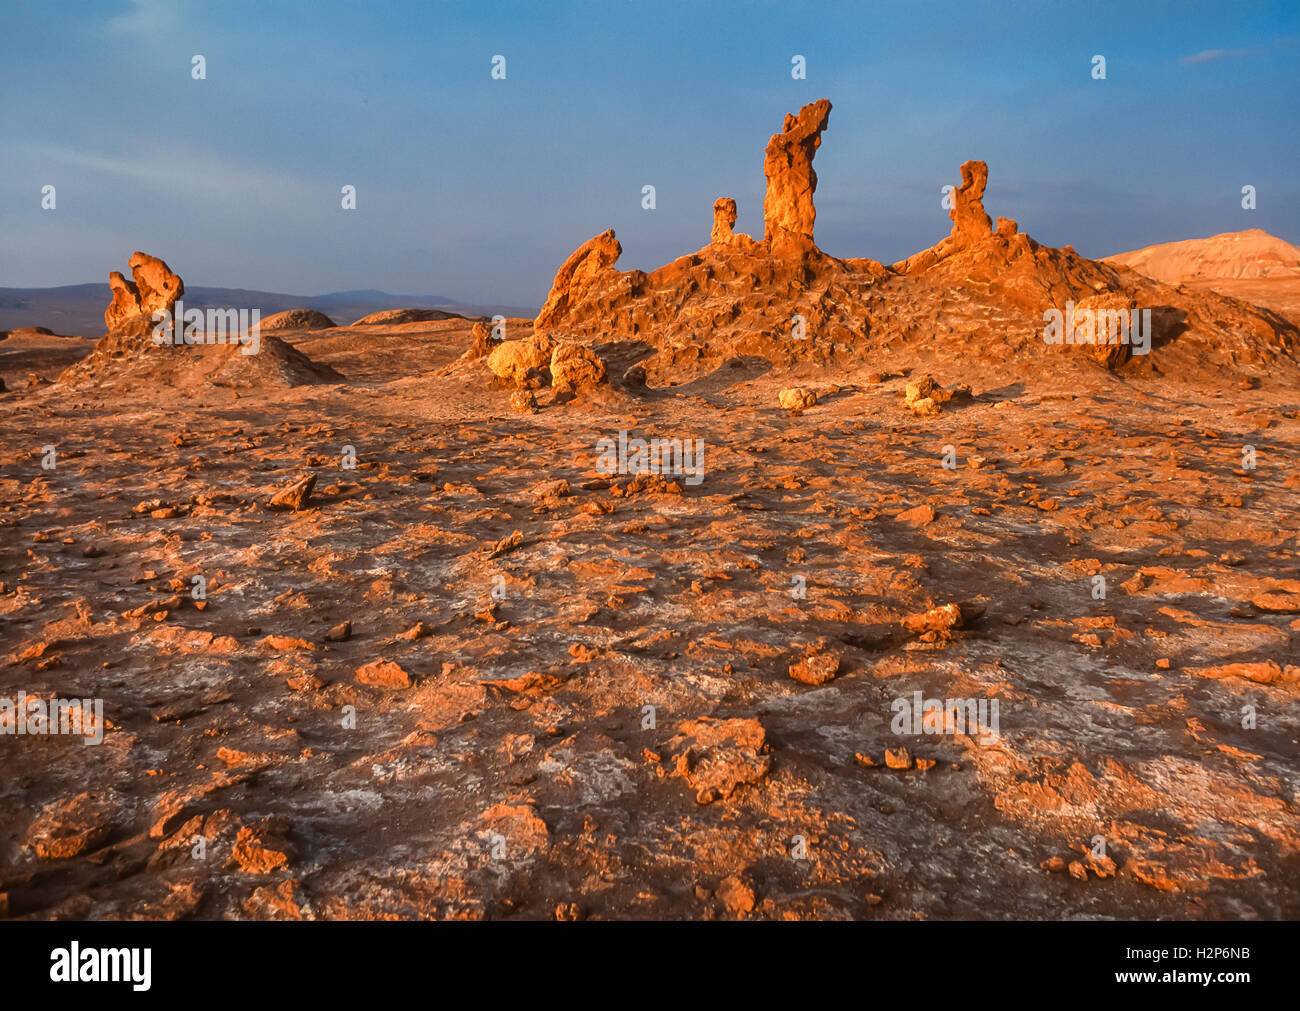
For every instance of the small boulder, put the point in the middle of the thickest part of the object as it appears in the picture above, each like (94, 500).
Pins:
(510, 361)
(524, 401)
(575, 368)
(295, 497)
(816, 667)
(797, 398)
(383, 674)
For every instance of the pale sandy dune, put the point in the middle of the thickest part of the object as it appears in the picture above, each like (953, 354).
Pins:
(1252, 253)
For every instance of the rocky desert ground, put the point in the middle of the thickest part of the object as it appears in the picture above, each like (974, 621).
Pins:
(392, 620)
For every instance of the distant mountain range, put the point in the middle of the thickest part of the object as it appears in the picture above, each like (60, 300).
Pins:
(78, 309)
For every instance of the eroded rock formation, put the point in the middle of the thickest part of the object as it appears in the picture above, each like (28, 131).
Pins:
(724, 220)
(971, 224)
(784, 300)
(155, 288)
(788, 211)
(577, 274)
(129, 353)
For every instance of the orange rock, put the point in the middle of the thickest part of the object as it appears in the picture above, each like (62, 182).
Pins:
(898, 758)
(939, 619)
(1277, 603)
(716, 756)
(71, 826)
(788, 210)
(512, 361)
(295, 497)
(577, 274)
(797, 398)
(286, 642)
(575, 368)
(384, 674)
(918, 516)
(816, 668)
(724, 220)
(736, 895)
(261, 848)
(526, 834)
(1262, 671)
(274, 902)
(970, 223)
(155, 288)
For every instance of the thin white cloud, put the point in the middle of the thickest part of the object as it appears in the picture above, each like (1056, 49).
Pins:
(147, 18)
(193, 177)
(1211, 55)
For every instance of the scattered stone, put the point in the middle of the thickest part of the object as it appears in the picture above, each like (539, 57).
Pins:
(918, 516)
(512, 361)
(261, 847)
(815, 668)
(296, 497)
(736, 895)
(417, 631)
(523, 401)
(924, 397)
(71, 826)
(938, 619)
(507, 544)
(898, 758)
(1277, 603)
(717, 756)
(1262, 672)
(383, 674)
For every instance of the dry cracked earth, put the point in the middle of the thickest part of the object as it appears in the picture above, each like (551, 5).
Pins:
(354, 725)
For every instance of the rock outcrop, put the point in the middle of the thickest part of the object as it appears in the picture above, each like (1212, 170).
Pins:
(482, 341)
(390, 317)
(784, 300)
(578, 274)
(724, 220)
(971, 224)
(297, 319)
(788, 211)
(155, 288)
(128, 354)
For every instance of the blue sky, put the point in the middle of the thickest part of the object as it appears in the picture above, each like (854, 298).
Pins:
(478, 189)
